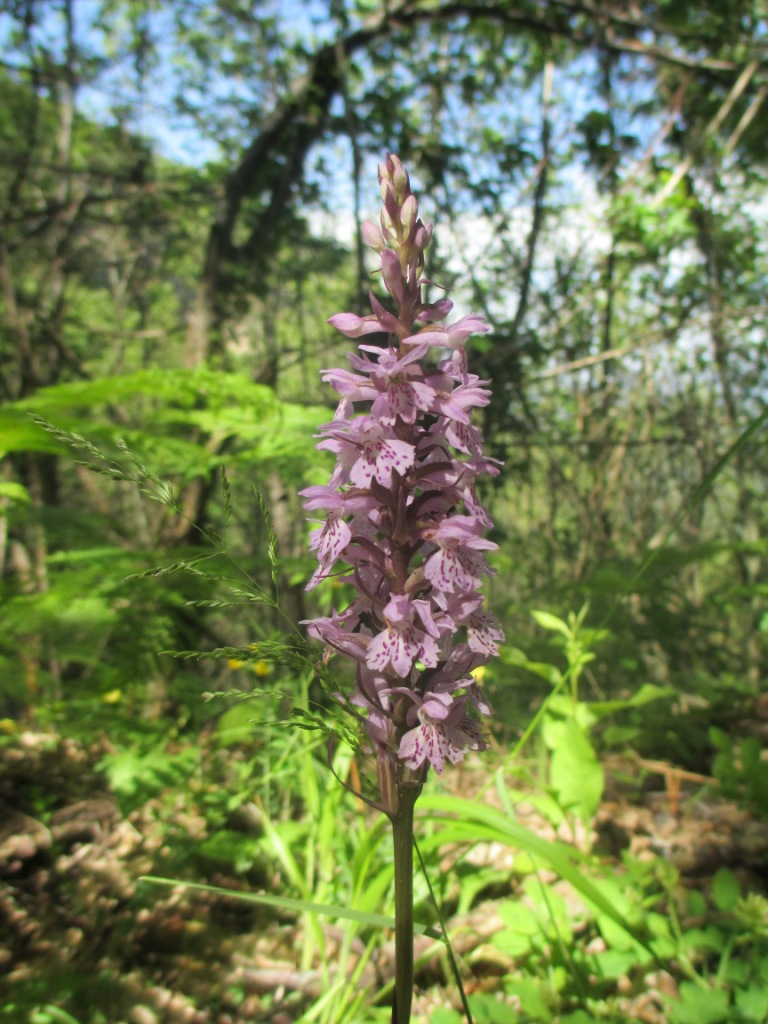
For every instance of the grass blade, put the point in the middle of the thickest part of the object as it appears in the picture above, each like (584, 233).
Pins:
(294, 905)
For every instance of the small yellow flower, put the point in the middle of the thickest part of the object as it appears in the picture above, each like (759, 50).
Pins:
(234, 663)
(113, 697)
(261, 668)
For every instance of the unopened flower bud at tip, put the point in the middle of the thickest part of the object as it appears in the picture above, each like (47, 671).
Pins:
(408, 213)
(399, 177)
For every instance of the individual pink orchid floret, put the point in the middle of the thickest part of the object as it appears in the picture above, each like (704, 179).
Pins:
(463, 436)
(380, 456)
(350, 386)
(331, 540)
(451, 335)
(395, 392)
(332, 632)
(345, 502)
(484, 635)
(453, 404)
(457, 564)
(402, 643)
(440, 735)
(365, 453)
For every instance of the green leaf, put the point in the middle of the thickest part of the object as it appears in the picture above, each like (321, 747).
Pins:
(575, 772)
(725, 890)
(551, 622)
(124, 771)
(753, 1003)
(647, 693)
(697, 903)
(18, 434)
(700, 1006)
(519, 918)
(443, 1016)
(233, 849)
(52, 1015)
(476, 882)
(514, 944)
(486, 1009)
(236, 725)
(563, 704)
(514, 656)
(531, 999)
(616, 963)
(620, 736)
(14, 492)
(709, 938)
(720, 739)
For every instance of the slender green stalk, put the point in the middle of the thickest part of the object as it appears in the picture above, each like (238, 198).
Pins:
(402, 835)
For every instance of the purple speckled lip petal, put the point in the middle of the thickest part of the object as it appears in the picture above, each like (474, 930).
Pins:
(401, 522)
(484, 635)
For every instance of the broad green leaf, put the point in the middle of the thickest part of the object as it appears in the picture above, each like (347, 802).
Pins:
(709, 938)
(519, 918)
(236, 725)
(563, 704)
(725, 889)
(514, 944)
(700, 1006)
(553, 732)
(445, 1016)
(531, 999)
(486, 1009)
(617, 938)
(575, 772)
(616, 963)
(753, 1002)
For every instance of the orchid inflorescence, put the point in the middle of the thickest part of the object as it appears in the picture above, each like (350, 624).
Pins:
(402, 511)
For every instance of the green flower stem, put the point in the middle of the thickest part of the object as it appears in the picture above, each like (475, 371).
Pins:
(402, 834)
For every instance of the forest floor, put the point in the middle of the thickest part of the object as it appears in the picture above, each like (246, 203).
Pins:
(80, 932)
